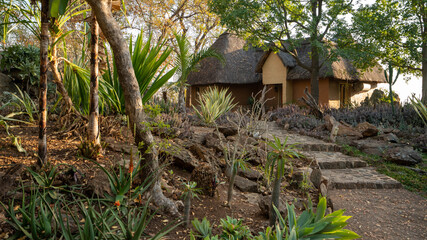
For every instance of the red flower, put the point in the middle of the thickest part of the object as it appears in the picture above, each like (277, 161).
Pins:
(117, 203)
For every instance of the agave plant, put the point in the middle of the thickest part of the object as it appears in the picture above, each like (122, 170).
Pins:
(150, 70)
(420, 108)
(213, 103)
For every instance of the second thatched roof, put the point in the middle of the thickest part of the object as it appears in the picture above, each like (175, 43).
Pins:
(239, 67)
(342, 69)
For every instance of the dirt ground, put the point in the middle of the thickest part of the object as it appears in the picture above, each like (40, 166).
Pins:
(391, 214)
(63, 148)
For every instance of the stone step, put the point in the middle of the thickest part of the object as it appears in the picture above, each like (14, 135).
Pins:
(336, 160)
(358, 178)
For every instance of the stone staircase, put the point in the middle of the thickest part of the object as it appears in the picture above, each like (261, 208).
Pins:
(340, 170)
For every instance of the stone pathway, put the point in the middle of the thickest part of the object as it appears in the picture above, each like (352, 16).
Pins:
(381, 209)
(340, 171)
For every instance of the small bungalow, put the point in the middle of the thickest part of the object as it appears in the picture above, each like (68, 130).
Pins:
(247, 71)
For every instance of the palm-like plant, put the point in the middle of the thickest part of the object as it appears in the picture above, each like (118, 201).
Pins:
(278, 159)
(187, 62)
(190, 191)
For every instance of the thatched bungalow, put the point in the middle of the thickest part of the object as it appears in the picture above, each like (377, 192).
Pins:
(247, 71)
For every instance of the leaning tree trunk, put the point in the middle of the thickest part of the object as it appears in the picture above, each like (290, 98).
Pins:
(93, 128)
(181, 99)
(133, 100)
(69, 107)
(44, 43)
(315, 73)
(424, 55)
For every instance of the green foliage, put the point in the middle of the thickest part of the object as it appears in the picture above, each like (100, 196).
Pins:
(150, 71)
(279, 157)
(190, 190)
(25, 60)
(213, 103)
(234, 229)
(420, 108)
(400, 45)
(309, 225)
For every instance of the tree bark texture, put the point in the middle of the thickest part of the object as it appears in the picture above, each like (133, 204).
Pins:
(231, 186)
(44, 43)
(69, 107)
(133, 100)
(187, 208)
(93, 128)
(424, 54)
(181, 99)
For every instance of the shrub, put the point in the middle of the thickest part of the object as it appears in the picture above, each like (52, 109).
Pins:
(24, 61)
(213, 103)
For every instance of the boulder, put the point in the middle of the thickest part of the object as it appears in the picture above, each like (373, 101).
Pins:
(212, 141)
(367, 129)
(265, 204)
(316, 177)
(403, 156)
(371, 146)
(250, 174)
(245, 185)
(228, 130)
(205, 177)
(181, 157)
(343, 129)
(6, 83)
(389, 137)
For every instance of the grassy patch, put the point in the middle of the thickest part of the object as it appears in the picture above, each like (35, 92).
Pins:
(411, 180)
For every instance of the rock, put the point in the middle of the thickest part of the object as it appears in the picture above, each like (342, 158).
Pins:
(403, 156)
(98, 185)
(245, 185)
(228, 130)
(250, 174)
(180, 205)
(371, 146)
(316, 177)
(256, 155)
(205, 177)
(367, 129)
(323, 190)
(181, 156)
(343, 129)
(299, 173)
(265, 204)
(212, 141)
(389, 137)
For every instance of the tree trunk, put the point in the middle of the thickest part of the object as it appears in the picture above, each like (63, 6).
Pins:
(69, 107)
(93, 128)
(230, 186)
(181, 99)
(44, 43)
(424, 53)
(275, 199)
(315, 66)
(133, 101)
(187, 208)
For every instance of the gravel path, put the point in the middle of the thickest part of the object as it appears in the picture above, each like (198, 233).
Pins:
(383, 213)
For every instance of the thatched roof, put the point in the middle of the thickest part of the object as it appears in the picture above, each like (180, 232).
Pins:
(286, 58)
(239, 67)
(342, 69)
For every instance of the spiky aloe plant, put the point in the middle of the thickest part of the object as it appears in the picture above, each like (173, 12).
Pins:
(190, 191)
(277, 159)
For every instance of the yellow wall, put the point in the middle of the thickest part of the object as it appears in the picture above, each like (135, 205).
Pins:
(274, 72)
(334, 94)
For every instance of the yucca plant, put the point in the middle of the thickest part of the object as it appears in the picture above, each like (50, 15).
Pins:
(150, 70)
(420, 108)
(213, 103)
(277, 159)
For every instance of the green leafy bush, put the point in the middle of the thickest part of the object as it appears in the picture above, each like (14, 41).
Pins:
(213, 103)
(24, 61)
